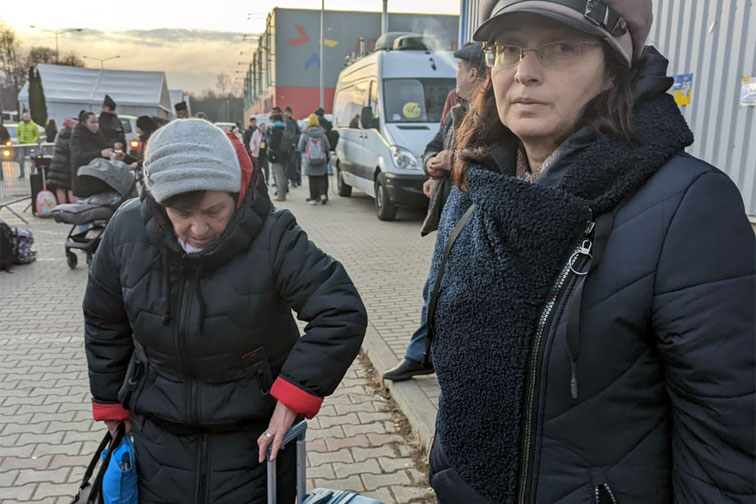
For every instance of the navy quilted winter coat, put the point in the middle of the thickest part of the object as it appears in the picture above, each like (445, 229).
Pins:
(666, 368)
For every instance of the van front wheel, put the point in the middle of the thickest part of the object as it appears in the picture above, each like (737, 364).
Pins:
(344, 189)
(383, 207)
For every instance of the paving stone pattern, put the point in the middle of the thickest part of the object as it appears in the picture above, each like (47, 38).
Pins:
(46, 431)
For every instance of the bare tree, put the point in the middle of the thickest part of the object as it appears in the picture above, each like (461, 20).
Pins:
(10, 62)
(71, 59)
(37, 55)
(223, 83)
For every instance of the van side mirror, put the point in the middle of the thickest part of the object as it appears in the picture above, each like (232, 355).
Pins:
(366, 117)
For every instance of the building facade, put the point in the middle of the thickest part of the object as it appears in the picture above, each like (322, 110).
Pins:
(285, 67)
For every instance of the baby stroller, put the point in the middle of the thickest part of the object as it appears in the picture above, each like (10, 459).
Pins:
(102, 186)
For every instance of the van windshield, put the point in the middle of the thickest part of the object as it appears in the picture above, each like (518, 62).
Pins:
(415, 100)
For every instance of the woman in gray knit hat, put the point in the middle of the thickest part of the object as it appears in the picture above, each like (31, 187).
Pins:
(190, 337)
(593, 312)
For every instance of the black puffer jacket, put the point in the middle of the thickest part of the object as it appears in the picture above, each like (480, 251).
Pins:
(112, 130)
(60, 173)
(84, 146)
(200, 347)
(239, 295)
(662, 407)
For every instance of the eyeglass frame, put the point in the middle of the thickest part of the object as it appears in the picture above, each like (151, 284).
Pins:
(493, 49)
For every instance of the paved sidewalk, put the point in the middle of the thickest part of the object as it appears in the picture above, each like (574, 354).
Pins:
(357, 442)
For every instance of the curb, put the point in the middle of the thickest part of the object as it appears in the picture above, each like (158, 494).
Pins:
(414, 403)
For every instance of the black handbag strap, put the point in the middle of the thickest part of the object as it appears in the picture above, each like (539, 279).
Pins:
(96, 495)
(93, 463)
(604, 225)
(437, 287)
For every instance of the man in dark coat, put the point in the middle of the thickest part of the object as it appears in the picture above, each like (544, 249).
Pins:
(438, 160)
(111, 126)
(293, 169)
(182, 110)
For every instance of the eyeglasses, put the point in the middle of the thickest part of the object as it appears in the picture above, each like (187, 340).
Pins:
(558, 54)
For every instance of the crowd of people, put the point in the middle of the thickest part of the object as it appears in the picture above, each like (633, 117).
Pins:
(589, 309)
(285, 152)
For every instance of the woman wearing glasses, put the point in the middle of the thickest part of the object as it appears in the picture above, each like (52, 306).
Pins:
(592, 325)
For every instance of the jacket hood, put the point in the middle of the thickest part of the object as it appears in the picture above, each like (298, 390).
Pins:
(654, 79)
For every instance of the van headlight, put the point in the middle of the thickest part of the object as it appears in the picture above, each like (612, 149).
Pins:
(404, 159)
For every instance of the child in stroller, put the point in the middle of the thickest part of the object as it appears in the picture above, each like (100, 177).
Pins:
(102, 186)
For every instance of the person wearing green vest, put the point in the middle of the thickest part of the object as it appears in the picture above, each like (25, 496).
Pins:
(27, 133)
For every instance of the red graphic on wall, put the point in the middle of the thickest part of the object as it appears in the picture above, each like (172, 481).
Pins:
(303, 38)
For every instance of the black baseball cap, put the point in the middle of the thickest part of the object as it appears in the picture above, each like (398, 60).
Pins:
(471, 52)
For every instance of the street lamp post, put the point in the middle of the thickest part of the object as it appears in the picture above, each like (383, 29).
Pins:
(322, 62)
(102, 60)
(56, 33)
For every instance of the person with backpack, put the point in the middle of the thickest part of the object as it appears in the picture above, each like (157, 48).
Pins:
(279, 153)
(315, 146)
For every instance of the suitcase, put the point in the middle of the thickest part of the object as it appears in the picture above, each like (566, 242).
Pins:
(298, 433)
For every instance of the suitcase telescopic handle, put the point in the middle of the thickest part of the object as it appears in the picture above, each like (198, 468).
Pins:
(298, 433)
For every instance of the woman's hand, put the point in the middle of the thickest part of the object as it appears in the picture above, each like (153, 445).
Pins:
(280, 423)
(106, 153)
(112, 426)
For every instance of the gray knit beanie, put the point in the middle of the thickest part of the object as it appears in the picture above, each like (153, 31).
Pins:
(190, 155)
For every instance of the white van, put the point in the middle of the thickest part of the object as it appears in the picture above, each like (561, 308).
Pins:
(387, 107)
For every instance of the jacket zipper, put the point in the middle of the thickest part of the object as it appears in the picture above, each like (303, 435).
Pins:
(609, 492)
(202, 477)
(183, 328)
(568, 273)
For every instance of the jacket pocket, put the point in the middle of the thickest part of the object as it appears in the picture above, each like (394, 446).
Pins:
(134, 374)
(257, 369)
(604, 494)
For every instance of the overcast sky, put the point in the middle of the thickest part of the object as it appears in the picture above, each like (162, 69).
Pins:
(191, 40)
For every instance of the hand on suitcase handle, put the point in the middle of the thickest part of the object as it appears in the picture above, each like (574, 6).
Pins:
(274, 435)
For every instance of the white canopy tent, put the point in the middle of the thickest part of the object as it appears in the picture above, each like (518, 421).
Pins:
(68, 90)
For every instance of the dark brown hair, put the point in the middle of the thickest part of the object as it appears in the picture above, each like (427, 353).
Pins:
(185, 201)
(609, 113)
(188, 201)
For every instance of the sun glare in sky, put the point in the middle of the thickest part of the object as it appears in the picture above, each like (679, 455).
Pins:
(191, 40)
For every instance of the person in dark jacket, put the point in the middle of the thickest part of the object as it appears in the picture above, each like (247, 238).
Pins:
(593, 331)
(51, 130)
(111, 126)
(437, 161)
(87, 143)
(203, 256)
(4, 138)
(293, 167)
(59, 175)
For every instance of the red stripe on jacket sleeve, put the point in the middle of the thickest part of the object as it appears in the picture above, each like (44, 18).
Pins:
(104, 412)
(295, 398)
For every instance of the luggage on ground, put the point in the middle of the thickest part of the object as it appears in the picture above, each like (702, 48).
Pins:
(298, 433)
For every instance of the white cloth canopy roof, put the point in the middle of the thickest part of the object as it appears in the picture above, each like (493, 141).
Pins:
(66, 84)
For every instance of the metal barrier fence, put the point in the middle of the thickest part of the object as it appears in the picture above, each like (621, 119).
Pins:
(15, 185)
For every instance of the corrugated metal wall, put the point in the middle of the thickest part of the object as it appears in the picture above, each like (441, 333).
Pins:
(715, 40)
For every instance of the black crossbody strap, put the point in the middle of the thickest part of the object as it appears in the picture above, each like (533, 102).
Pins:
(93, 463)
(96, 495)
(437, 287)
(604, 224)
